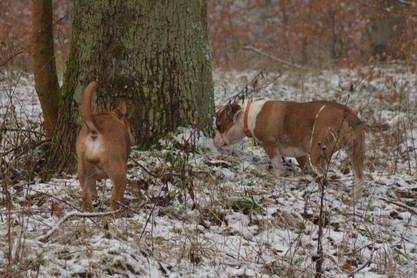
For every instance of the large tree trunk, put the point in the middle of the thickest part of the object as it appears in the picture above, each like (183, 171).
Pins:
(152, 54)
(46, 80)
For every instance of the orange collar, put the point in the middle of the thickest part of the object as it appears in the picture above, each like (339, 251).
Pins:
(245, 120)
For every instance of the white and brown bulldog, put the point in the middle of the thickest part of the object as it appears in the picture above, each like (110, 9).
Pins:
(103, 147)
(311, 132)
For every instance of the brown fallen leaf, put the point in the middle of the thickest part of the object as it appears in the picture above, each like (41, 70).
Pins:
(56, 209)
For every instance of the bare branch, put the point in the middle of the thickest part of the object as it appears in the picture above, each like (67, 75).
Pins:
(21, 130)
(258, 82)
(275, 59)
(14, 55)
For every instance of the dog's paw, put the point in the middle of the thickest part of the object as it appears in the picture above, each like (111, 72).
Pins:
(282, 172)
(87, 205)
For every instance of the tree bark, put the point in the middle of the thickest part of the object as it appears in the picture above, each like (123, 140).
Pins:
(151, 54)
(46, 80)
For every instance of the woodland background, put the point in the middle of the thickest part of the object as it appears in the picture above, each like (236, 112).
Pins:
(310, 33)
(193, 210)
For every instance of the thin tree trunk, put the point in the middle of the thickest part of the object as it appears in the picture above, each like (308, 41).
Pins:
(305, 39)
(46, 80)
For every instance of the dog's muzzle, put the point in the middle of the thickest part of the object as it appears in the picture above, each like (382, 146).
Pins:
(219, 140)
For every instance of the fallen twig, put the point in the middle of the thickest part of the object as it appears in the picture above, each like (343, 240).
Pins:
(352, 274)
(144, 168)
(44, 237)
(56, 198)
(407, 208)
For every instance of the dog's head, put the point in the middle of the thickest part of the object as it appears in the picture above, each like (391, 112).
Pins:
(229, 125)
(120, 113)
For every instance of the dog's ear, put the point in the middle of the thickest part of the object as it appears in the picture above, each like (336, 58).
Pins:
(121, 110)
(233, 112)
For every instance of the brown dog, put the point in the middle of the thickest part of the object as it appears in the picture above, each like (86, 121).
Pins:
(311, 132)
(103, 146)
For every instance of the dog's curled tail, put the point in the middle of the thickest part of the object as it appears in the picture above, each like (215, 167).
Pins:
(383, 127)
(88, 95)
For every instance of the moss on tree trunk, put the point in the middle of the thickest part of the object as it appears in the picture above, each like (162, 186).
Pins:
(152, 54)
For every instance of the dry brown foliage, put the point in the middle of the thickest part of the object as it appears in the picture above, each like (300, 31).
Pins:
(15, 33)
(317, 33)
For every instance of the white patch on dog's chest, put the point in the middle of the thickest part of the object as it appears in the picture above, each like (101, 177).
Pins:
(255, 108)
(314, 125)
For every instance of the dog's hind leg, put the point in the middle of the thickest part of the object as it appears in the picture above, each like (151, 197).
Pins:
(87, 180)
(356, 152)
(119, 186)
(305, 165)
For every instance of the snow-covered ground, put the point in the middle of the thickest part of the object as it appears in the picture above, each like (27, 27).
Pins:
(197, 211)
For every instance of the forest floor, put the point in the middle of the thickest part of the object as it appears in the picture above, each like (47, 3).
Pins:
(193, 210)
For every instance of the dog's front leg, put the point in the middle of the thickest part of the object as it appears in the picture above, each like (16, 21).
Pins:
(274, 154)
(305, 164)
